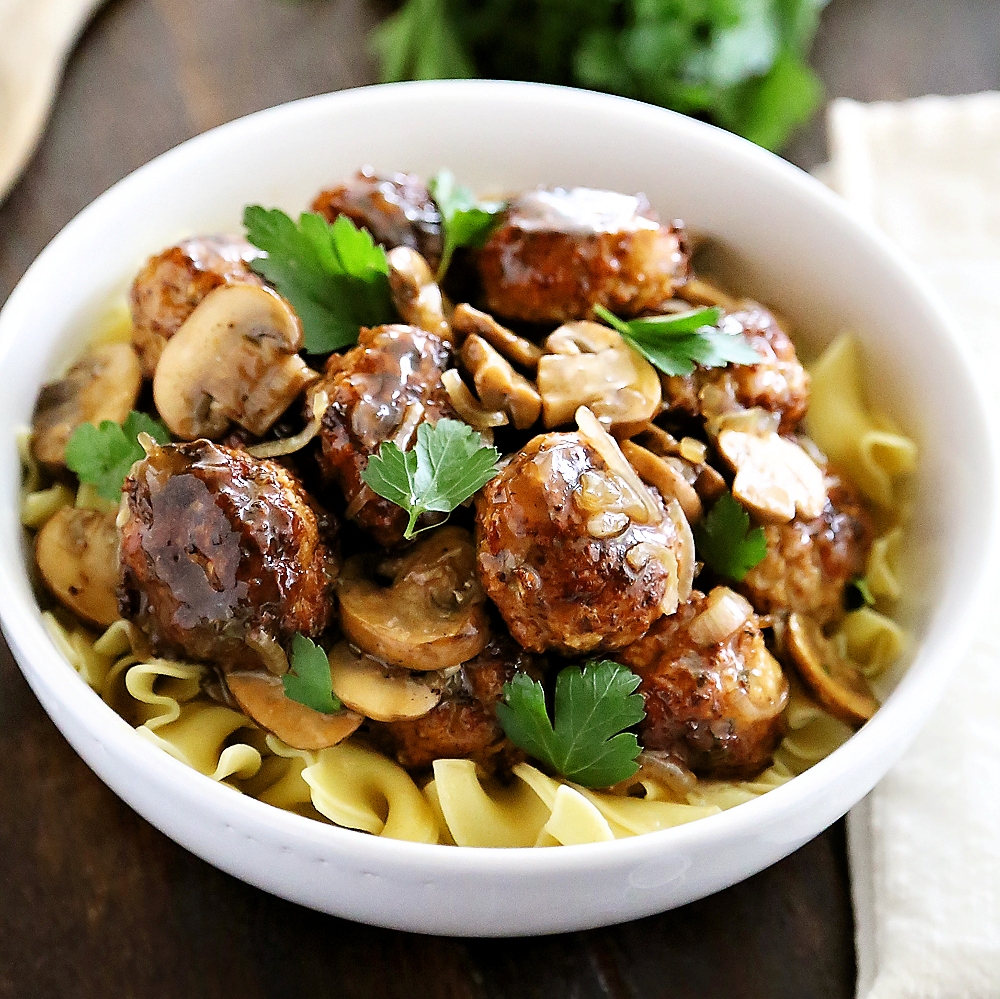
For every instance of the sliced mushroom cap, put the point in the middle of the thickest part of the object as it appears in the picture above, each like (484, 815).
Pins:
(77, 555)
(774, 475)
(498, 385)
(432, 615)
(235, 358)
(836, 683)
(380, 692)
(466, 320)
(663, 474)
(103, 385)
(262, 697)
(416, 293)
(591, 365)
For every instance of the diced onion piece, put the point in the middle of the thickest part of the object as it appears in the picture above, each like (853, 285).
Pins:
(289, 445)
(725, 613)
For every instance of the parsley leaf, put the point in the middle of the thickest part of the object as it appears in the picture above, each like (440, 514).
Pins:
(676, 343)
(725, 542)
(308, 680)
(104, 455)
(464, 220)
(593, 706)
(448, 465)
(335, 276)
(859, 594)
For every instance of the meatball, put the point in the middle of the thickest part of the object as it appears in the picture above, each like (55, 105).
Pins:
(715, 705)
(569, 554)
(778, 384)
(173, 283)
(810, 562)
(380, 390)
(464, 723)
(397, 210)
(559, 253)
(222, 555)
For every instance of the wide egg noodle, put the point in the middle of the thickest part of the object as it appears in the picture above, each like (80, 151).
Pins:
(484, 812)
(359, 788)
(866, 447)
(882, 572)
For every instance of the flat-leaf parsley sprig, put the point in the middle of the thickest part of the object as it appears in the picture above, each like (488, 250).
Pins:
(449, 464)
(103, 456)
(593, 706)
(464, 220)
(676, 343)
(335, 276)
(725, 542)
(308, 679)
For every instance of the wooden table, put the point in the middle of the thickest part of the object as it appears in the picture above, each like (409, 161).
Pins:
(93, 900)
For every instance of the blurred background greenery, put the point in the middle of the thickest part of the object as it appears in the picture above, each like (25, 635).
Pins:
(741, 64)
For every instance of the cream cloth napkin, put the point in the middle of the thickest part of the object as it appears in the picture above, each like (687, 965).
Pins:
(36, 36)
(925, 844)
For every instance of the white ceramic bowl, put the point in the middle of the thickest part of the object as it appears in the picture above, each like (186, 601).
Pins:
(798, 248)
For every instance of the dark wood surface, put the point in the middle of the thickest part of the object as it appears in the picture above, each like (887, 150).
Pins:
(94, 901)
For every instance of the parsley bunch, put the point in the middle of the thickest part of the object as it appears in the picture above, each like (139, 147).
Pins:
(741, 63)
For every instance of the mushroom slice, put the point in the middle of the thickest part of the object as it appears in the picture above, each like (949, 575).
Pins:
(837, 684)
(591, 365)
(262, 697)
(103, 385)
(466, 320)
(382, 693)
(415, 293)
(235, 358)
(431, 616)
(498, 385)
(668, 480)
(774, 475)
(77, 555)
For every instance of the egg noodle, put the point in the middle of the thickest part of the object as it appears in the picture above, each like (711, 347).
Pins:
(354, 786)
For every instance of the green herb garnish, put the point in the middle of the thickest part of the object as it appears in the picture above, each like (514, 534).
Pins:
(464, 220)
(104, 455)
(593, 707)
(335, 276)
(859, 593)
(742, 63)
(725, 543)
(308, 679)
(448, 465)
(676, 343)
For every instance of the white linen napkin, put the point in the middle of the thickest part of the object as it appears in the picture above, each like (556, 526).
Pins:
(36, 36)
(925, 844)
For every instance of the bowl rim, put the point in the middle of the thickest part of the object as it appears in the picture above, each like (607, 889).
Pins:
(915, 696)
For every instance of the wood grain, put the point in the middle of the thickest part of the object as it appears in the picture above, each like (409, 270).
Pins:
(94, 902)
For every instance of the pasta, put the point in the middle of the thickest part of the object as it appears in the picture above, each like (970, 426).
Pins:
(408, 742)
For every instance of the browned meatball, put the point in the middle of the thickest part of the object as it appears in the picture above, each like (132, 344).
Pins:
(573, 563)
(380, 390)
(464, 724)
(559, 253)
(714, 705)
(222, 555)
(778, 383)
(809, 562)
(173, 283)
(397, 210)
